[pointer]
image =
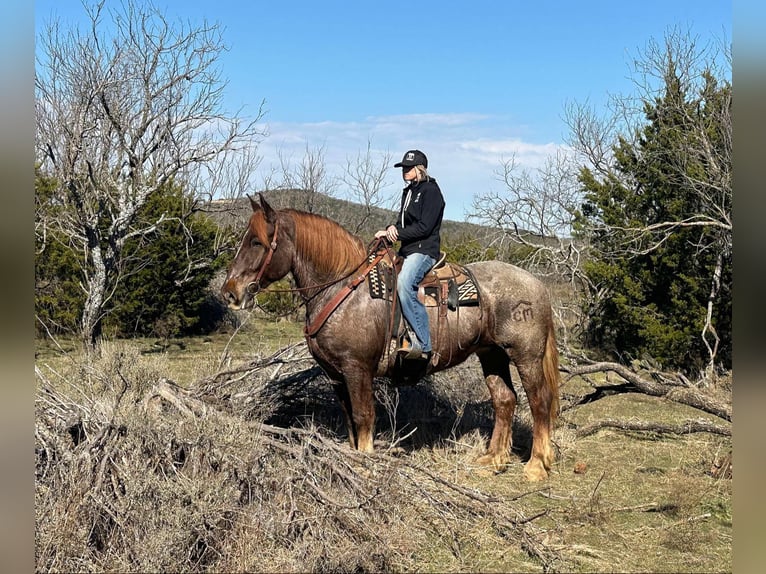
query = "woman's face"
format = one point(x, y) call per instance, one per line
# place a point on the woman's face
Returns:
point(409, 173)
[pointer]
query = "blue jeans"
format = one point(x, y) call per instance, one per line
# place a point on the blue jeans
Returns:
point(414, 268)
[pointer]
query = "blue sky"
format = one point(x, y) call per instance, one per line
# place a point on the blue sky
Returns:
point(469, 83)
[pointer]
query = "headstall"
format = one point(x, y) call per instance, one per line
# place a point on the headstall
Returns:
point(269, 255)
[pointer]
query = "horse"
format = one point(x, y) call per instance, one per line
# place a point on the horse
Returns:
point(350, 339)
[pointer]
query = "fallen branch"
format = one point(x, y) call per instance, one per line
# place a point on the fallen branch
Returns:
point(674, 392)
point(180, 398)
point(294, 353)
point(688, 427)
point(677, 523)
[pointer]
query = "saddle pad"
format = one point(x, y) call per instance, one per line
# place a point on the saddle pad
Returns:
point(466, 294)
point(380, 279)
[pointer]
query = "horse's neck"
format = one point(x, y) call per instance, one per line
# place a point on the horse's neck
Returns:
point(321, 261)
point(306, 275)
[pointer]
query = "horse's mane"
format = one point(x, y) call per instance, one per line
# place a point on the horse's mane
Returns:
point(332, 248)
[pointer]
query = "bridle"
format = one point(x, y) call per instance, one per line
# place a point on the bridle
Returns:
point(266, 261)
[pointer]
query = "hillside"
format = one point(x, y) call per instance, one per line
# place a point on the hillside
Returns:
point(353, 216)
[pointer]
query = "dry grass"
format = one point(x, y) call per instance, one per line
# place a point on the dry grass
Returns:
point(250, 472)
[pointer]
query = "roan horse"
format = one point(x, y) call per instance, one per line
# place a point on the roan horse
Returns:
point(513, 323)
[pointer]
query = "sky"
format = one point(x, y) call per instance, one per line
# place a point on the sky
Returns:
point(469, 83)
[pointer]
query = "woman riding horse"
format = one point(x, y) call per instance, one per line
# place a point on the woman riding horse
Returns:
point(418, 225)
point(347, 330)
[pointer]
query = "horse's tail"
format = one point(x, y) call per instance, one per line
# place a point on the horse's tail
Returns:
point(551, 370)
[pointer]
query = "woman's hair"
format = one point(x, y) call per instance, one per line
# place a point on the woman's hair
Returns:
point(422, 172)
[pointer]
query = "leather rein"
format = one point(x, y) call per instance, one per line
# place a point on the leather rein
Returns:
point(312, 328)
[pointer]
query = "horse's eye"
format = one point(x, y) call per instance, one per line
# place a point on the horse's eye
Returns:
point(254, 242)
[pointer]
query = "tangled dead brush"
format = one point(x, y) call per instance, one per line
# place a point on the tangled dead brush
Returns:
point(135, 474)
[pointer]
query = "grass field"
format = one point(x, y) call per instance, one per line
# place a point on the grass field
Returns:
point(219, 491)
point(190, 358)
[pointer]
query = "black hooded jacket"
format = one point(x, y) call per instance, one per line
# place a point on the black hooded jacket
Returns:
point(420, 218)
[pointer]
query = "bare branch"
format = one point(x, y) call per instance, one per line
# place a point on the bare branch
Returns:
point(123, 109)
point(308, 177)
point(687, 427)
point(366, 179)
point(659, 388)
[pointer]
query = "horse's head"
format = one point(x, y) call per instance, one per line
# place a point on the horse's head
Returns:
point(261, 259)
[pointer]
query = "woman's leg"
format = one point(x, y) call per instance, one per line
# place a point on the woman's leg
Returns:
point(414, 268)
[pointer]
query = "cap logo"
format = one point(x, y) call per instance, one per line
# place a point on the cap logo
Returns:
point(410, 156)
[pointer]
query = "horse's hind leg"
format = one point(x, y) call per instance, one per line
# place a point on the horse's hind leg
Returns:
point(497, 375)
point(540, 399)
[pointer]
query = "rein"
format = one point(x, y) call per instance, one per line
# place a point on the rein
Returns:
point(312, 328)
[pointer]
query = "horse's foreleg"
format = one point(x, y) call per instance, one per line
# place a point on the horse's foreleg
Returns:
point(359, 389)
point(540, 400)
point(497, 376)
point(341, 390)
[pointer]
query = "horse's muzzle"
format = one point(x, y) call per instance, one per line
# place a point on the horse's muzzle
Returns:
point(231, 296)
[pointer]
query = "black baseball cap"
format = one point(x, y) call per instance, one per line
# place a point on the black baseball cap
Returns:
point(412, 158)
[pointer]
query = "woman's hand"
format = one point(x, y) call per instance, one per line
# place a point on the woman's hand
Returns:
point(389, 233)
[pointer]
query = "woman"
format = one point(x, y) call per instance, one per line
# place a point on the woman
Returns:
point(418, 226)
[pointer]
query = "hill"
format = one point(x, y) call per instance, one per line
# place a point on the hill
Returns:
point(355, 217)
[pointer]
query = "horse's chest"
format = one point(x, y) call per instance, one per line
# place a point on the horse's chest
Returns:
point(325, 359)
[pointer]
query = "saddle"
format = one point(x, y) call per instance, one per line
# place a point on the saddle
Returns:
point(447, 286)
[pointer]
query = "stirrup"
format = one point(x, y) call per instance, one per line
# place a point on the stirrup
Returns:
point(410, 351)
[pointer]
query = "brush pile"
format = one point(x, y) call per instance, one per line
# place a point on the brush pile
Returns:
point(137, 474)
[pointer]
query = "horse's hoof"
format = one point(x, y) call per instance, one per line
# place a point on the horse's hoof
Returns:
point(535, 472)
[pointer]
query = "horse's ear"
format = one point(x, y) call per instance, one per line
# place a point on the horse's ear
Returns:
point(271, 215)
point(253, 203)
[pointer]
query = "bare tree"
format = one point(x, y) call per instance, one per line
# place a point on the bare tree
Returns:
point(536, 209)
point(309, 177)
point(532, 218)
point(123, 108)
point(366, 179)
